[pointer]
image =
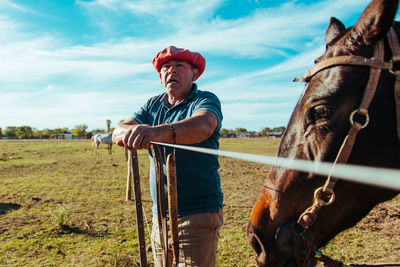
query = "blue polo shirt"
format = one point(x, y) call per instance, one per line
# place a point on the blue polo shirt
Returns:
point(198, 180)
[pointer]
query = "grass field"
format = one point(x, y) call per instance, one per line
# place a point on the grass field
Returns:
point(60, 205)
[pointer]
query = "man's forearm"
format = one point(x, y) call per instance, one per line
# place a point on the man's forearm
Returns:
point(188, 131)
point(196, 129)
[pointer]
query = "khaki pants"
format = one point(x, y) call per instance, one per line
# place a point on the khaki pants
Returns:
point(198, 239)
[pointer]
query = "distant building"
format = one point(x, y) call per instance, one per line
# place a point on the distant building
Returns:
point(248, 134)
point(228, 135)
point(65, 135)
point(275, 134)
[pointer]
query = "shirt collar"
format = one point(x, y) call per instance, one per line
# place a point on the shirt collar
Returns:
point(189, 97)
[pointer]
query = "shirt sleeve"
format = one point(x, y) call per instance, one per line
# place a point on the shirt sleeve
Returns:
point(142, 115)
point(209, 101)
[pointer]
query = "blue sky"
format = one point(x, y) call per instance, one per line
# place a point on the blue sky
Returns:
point(70, 62)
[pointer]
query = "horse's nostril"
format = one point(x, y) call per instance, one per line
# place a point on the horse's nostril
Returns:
point(258, 247)
point(255, 244)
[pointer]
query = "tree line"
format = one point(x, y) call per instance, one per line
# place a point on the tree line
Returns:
point(264, 132)
point(80, 131)
point(27, 132)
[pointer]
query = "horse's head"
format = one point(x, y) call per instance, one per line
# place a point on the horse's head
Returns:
point(316, 130)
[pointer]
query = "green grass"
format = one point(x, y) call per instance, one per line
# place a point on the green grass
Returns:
point(60, 205)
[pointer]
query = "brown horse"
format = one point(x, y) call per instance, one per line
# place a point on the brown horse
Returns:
point(316, 130)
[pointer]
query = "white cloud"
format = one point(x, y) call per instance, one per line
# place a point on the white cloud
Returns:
point(254, 36)
point(265, 32)
point(45, 77)
point(12, 5)
point(175, 13)
point(54, 106)
point(39, 59)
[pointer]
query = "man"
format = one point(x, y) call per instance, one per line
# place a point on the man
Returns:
point(183, 115)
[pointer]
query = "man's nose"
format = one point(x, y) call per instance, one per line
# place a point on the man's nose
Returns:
point(172, 69)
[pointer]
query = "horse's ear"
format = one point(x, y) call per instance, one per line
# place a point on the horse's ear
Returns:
point(374, 22)
point(334, 29)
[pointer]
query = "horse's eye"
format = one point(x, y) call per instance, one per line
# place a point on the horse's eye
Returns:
point(318, 114)
point(322, 112)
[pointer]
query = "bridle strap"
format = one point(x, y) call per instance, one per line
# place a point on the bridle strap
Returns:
point(324, 196)
point(344, 60)
point(348, 143)
point(373, 62)
point(308, 217)
point(394, 46)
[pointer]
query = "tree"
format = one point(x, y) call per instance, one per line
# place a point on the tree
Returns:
point(98, 131)
point(240, 130)
point(265, 131)
point(39, 134)
point(108, 122)
point(23, 132)
point(1, 132)
point(11, 131)
point(280, 128)
point(49, 132)
point(80, 130)
point(224, 131)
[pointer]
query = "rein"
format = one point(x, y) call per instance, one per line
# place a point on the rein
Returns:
point(324, 196)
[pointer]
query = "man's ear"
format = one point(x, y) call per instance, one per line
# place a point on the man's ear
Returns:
point(195, 74)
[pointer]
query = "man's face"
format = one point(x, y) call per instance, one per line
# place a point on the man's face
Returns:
point(177, 77)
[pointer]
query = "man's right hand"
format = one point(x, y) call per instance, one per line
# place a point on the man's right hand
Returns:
point(133, 135)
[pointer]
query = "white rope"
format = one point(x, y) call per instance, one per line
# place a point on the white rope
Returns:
point(153, 249)
point(381, 177)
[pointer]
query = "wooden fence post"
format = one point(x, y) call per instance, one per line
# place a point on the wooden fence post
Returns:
point(129, 178)
point(161, 205)
point(173, 205)
point(139, 208)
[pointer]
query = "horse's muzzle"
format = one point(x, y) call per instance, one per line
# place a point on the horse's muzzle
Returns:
point(295, 243)
point(267, 255)
point(288, 248)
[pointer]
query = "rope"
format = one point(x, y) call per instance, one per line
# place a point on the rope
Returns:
point(388, 178)
point(153, 250)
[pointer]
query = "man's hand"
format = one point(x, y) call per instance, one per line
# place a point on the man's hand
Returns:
point(131, 134)
point(138, 136)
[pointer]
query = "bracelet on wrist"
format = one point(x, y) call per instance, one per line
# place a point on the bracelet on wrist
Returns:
point(173, 130)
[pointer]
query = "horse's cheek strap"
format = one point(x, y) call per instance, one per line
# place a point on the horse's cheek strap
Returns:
point(395, 47)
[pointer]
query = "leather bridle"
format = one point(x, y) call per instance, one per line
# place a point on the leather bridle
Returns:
point(324, 196)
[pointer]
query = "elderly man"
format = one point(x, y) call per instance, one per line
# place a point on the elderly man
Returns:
point(183, 115)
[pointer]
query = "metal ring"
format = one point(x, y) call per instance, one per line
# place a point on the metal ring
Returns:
point(320, 200)
point(354, 113)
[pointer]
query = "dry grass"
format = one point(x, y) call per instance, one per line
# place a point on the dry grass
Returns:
point(60, 205)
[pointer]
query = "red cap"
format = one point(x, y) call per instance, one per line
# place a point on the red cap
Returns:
point(172, 52)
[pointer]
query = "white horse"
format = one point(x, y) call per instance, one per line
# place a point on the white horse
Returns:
point(105, 138)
